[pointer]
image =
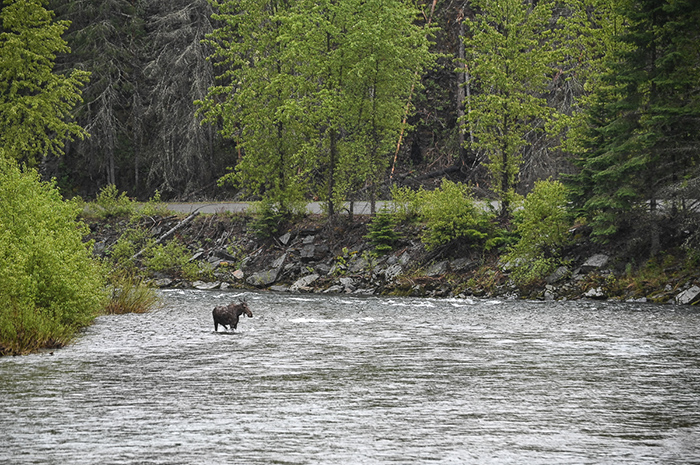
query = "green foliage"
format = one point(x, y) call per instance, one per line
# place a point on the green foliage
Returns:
point(510, 58)
point(113, 204)
point(641, 136)
point(382, 232)
point(50, 286)
point(405, 202)
point(450, 214)
point(314, 92)
point(269, 217)
point(130, 294)
point(35, 102)
point(168, 258)
point(543, 226)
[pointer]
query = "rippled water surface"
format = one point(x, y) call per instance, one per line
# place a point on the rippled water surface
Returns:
point(344, 380)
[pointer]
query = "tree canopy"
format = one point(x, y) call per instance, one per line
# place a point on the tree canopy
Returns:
point(35, 101)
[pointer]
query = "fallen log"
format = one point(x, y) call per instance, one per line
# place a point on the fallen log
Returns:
point(169, 233)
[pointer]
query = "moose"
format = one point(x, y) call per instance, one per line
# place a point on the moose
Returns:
point(228, 315)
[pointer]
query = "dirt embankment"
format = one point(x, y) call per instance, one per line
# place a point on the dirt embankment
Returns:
point(312, 255)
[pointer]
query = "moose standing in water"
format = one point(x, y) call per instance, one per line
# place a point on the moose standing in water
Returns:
point(228, 315)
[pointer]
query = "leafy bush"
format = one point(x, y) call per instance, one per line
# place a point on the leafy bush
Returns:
point(171, 257)
point(131, 295)
point(382, 232)
point(270, 217)
point(50, 286)
point(451, 213)
point(543, 228)
point(405, 202)
point(110, 203)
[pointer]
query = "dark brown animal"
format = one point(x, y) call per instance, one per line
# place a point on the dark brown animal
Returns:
point(228, 315)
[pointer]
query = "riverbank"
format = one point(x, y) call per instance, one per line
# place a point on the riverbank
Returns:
point(221, 250)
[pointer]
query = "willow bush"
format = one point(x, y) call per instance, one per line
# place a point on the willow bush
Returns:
point(50, 286)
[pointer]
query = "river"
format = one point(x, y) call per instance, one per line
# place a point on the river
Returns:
point(346, 380)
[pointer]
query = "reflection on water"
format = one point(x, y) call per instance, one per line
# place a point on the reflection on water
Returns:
point(344, 380)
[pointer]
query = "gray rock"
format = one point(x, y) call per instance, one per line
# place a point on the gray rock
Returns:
point(308, 252)
point(284, 239)
point(322, 269)
point(689, 297)
point(462, 264)
point(238, 274)
point(558, 274)
point(263, 278)
point(202, 286)
point(99, 249)
point(404, 259)
point(308, 240)
point(163, 282)
point(595, 293)
point(594, 263)
point(335, 289)
point(392, 272)
point(358, 264)
point(279, 288)
point(304, 282)
point(321, 251)
point(437, 269)
point(279, 261)
point(348, 284)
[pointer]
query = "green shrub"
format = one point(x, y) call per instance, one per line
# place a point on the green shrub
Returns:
point(129, 243)
point(405, 202)
point(269, 217)
point(169, 258)
point(543, 227)
point(110, 203)
point(154, 207)
point(50, 286)
point(382, 232)
point(131, 295)
point(451, 213)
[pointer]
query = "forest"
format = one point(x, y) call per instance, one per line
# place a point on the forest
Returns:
point(578, 118)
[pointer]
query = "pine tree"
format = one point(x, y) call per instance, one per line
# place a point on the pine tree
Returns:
point(35, 101)
point(643, 133)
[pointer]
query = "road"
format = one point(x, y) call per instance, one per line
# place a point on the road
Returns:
point(359, 208)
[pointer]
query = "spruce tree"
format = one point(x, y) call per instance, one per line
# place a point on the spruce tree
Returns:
point(35, 101)
point(643, 133)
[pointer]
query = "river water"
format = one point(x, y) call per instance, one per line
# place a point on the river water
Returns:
point(345, 380)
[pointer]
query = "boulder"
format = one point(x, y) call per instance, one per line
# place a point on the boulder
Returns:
point(462, 264)
point(308, 253)
point(163, 282)
point(348, 284)
point(392, 272)
point(558, 274)
point(436, 269)
point(202, 286)
point(284, 239)
point(304, 282)
point(595, 293)
point(689, 296)
point(263, 278)
point(238, 274)
point(595, 263)
point(358, 265)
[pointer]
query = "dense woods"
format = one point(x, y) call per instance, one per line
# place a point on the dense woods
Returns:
point(580, 118)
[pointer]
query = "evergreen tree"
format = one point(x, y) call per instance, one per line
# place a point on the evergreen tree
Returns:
point(643, 132)
point(35, 101)
point(105, 38)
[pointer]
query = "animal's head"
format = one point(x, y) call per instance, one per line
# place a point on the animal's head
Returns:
point(243, 305)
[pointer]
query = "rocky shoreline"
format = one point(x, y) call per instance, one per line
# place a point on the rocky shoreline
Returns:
point(313, 256)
